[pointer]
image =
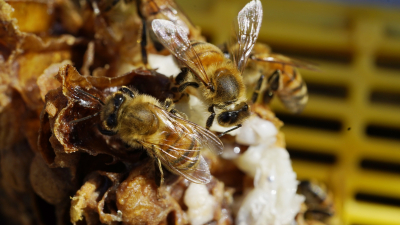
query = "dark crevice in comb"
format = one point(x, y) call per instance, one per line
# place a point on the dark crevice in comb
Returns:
point(47, 211)
point(385, 97)
point(316, 157)
point(382, 131)
point(382, 166)
point(335, 91)
point(377, 199)
point(310, 122)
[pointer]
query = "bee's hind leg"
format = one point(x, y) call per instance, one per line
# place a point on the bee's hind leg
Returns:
point(161, 172)
point(257, 89)
point(273, 86)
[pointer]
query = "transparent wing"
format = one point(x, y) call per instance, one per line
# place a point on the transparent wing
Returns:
point(204, 137)
point(172, 150)
point(171, 11)
point(247, 29)
point(277, 58)
point(199, 174)
point(175, 39)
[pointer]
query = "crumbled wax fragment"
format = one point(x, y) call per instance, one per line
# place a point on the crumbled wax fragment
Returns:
point(200, 204)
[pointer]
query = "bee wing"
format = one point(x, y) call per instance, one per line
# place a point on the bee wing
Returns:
point(247, 29)
point(201, 138)
point(277, 58)
point(175, 39)
point(171, 11)
point(199, 174)
point(204, 137)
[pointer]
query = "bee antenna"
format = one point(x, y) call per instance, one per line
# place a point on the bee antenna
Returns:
point(90, 95)
point(84, 118)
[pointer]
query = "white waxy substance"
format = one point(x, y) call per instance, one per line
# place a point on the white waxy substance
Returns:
point(273, 201)
point(164, 64)
point(256, 131)
point(200, 203)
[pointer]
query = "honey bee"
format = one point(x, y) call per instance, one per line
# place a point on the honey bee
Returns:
point(283, 77)
point(318, 200)
point(142, 121)
point(149, 10)
point(218, 80)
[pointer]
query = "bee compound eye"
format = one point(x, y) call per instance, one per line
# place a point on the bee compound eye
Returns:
point(111, 120)
point(228, 117)
point(118, 99)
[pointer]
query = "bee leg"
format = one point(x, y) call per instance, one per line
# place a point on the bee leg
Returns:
point(257, 89)
point(182, 95)
point(225, 132)
point(185, 85)
point(210, 119)
point(273, 80)
point(143, 43)
point(179, 114)
point(273, 86)
point(161, 171)
point(84, 118)
point(182, 75)
point(106, 132)
point(167, 104)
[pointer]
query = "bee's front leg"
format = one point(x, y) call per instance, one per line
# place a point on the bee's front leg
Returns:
point(168, 104)
point(106, 132)
point(185, 85)
point(210, 119)
point(181, 77)
point(232, 129)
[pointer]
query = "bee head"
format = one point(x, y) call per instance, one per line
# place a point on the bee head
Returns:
point(234, 117)
point(109, 114)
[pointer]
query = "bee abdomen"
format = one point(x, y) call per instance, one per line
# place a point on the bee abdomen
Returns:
point(184, 149)
point(208, 54)
point(294, 98)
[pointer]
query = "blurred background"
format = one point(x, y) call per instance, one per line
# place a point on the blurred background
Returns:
point(349, 133)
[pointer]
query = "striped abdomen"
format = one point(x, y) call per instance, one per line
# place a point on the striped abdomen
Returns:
point(293, 90)
point(208, 53)
point(183, 149)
